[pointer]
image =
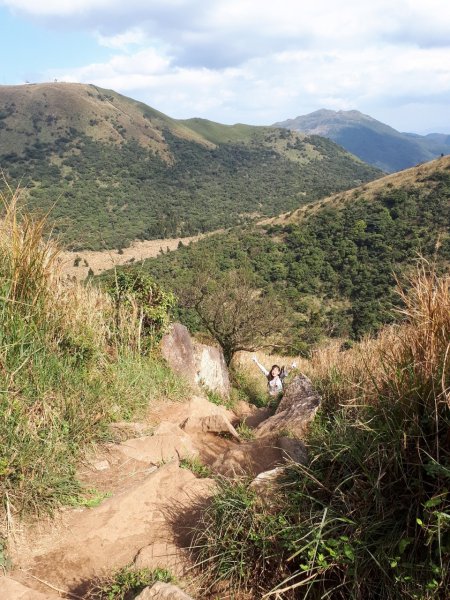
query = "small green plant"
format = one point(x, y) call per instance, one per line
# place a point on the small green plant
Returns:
point(89, 498)
point(4, 559)
point(218, 399)
point(245, 432)
point(127, 583)
point(235, 536)
point(194, 464)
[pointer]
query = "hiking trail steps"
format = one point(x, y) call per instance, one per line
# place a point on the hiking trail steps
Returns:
point(152, 506)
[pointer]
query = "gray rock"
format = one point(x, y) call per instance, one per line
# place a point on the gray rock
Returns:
point(163, 591)
point(211, 369)
point(100, 465)
point(267, 479)
point(293, 449)
point(198, 363)
point(178, 350)
point(297, 408)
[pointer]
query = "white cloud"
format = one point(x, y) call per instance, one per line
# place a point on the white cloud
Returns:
point(279, 86)
point(261, 61)
point(57, 7)
point(121, 41)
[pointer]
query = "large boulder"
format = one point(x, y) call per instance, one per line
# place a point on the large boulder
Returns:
point(178, 349)
point(200, 364)
point(212, 370)
point(297, 408)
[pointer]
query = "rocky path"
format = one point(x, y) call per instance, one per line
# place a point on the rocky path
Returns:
point(153, 503)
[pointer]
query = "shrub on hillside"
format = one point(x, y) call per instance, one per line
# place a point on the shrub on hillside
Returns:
point(150, 305)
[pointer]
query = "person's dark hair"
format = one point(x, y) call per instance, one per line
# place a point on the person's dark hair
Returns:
point(270, 376)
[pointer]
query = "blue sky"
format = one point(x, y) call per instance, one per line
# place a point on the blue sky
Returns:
point(252, 61)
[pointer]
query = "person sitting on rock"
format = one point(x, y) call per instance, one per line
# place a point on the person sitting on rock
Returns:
point(275, 377)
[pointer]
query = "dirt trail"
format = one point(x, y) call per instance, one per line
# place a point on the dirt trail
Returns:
point(152, 506)
point(102, 260)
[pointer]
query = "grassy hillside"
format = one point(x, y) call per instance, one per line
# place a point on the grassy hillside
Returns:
point(369, 139)
point(119, 170)
point(367, 516)
point(71, 362)
point(333, 263)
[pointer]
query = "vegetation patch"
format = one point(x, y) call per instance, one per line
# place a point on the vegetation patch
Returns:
point(70, 364)
point(330, 273)
point(127, 583)
point(195, 465)
point(245, 432)
point(369, 517)
point(122, 171)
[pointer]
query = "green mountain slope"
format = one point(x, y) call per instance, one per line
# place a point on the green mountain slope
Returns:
point(112, 169)
point(332, 262)
point(369, 139)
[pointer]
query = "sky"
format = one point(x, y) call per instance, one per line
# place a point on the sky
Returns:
point(247, 61)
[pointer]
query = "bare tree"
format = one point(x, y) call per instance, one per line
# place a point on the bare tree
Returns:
point(237, 314)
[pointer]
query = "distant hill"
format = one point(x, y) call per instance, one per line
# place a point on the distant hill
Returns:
point(370, 140)
point(331, 262)
point(114, 170)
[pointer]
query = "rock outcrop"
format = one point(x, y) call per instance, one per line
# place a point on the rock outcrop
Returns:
point(212, 370)
point(167, 442)
point(203, 416)
point(248, 458)
point(177, 348)
point(297, 408)
point(200, 364)
point(293, 449)
point(111, 535)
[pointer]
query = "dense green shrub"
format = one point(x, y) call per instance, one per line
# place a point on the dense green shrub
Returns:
point(109, 195)
point(150, 304)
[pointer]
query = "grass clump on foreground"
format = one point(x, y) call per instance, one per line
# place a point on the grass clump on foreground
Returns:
point(69, 365)
point(370, 516)
point(127, 583)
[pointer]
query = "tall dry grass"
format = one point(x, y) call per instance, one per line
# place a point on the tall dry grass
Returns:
point(68, 366)
point(369, 517)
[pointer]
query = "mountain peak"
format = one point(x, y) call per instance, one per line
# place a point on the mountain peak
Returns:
point(371, 140)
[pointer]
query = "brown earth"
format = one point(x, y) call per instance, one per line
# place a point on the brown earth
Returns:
point(153, 503)
point(147, 503)
point(103, 260)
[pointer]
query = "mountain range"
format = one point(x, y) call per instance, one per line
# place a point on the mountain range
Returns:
point(372, 141)
point(112, 170)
